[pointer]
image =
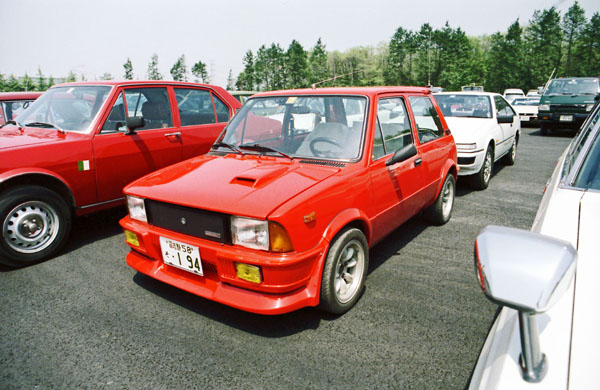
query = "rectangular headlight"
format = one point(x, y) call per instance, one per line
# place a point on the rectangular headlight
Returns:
point(589, 107)
point(137, 209)
point(544, 107)
point(466, 146)
point(249, 232)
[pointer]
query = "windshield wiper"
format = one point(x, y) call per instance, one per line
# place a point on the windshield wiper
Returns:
point(45, 125)
point(13, 122)
point(230, 146)
point(263, 149)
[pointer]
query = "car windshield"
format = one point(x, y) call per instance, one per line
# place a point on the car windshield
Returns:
point(465, 106)
point(583, 86)
point(298, 126)
point(68, 108)
point(526, 102)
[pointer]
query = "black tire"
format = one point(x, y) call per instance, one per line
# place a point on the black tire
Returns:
point(344, 272)
point(511, 156)
point(35, 224)
point(481, 180)
point(440, 211)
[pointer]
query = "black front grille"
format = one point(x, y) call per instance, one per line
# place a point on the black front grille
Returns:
point(190, 221)
point(466, 160)
point(567, 108)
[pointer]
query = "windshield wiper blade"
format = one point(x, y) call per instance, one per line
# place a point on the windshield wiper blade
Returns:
point(264, 149)
point(46, 125)
point(230, 146)
point(13, 122)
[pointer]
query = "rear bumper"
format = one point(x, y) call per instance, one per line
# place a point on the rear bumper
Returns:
point(289, 282)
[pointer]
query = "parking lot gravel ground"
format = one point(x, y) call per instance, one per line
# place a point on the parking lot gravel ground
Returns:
point(86, 320)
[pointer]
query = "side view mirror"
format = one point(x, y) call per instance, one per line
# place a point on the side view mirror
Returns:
point(505, 119)
point(402, 155)
point(528, 272)
point(133, 123)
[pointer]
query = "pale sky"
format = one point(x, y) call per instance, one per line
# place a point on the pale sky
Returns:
point(93, 37)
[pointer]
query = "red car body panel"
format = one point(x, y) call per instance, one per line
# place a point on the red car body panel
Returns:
point(114, 159)
point(363, 192)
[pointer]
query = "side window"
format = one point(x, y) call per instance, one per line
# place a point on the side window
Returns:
point(502, 107)
point(116, 118)
point(429, 126)
point(221, 108)
point(152, 104)
point(393, 125)
point(195, 106)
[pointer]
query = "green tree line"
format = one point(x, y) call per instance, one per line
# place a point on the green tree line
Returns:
point(522, 57)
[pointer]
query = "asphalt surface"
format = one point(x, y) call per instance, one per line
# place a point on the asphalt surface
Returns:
point(86, 320)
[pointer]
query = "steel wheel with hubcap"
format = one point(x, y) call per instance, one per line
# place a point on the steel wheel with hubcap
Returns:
point(35, 224)
point(481, 180)
point(440, 211)
point(344, 271)
point(511, 156)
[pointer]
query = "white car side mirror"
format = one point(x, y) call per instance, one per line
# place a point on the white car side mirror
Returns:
point(528, 272)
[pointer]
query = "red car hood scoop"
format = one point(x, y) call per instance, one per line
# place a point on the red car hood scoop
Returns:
point(238, 185)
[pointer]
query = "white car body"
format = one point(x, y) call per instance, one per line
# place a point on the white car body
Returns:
point(527, 108)
point(473, 135)
point(513, 93)
point(569, 335)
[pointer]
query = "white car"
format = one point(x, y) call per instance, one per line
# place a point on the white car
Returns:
point(513, 93)
point(485, 128)
point(527, 108)
point(546, 335)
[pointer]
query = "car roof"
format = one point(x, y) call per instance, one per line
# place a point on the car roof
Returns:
point(19, 95)
point(475, 93)
point(369, 91)
point(120, 83)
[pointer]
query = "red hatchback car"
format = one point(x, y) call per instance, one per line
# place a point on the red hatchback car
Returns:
point(281, 213)
point(74, 149)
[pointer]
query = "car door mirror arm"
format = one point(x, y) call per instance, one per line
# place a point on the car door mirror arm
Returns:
point(133, 123)
point(508, 257)
point(402, 154)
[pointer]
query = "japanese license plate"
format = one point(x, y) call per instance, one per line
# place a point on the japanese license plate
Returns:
point(181, 255)
point(566, 118)
point(524, 119)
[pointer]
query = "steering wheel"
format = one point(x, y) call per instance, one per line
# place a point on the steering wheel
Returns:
point(323, 153)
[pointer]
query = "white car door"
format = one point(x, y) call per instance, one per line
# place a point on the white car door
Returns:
point(509, 130)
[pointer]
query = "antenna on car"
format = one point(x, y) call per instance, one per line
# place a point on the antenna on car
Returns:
point(314, 85)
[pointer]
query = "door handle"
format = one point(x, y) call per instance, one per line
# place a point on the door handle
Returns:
point(173, 136)
point(418, 162)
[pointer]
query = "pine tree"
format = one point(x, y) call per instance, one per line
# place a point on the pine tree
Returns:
point(128, 66)
point(573, 25)
point(230, 81)
point(297, 66)
point(247, 78)
point(179, 70)
point(317, 63)
point(199, 70)
point(153, 73)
